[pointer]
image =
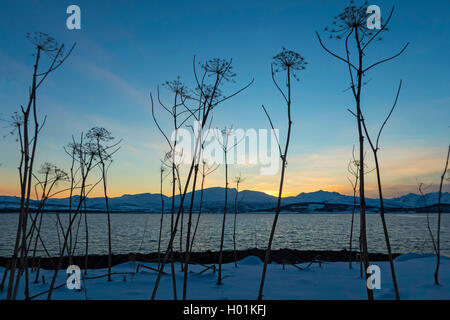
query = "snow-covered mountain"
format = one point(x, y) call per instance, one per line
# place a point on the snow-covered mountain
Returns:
point(410, 200)
point(247, 201)
point(413, 200)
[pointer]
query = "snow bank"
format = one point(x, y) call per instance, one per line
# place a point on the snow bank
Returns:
point(251, 261)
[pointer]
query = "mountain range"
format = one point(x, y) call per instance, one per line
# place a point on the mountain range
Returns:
point(246, 200)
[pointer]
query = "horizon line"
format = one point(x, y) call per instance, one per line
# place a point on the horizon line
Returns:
point(218, 187)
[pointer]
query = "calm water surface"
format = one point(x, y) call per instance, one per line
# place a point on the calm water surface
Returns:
point(134, 232)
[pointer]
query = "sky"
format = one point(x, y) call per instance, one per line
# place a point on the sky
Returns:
point(125, 49)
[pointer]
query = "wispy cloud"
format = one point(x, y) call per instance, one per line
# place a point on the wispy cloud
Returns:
point(114, 80)
point(401, 168)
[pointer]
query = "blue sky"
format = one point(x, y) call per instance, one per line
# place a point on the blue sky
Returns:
point(126, 48)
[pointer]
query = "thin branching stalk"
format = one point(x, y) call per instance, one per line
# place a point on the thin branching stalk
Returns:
point(100, 139)
point(375, 148)
point(209, 98)
point(238, 181)
point(353, 169)
point(352, 22)
point(28, 137)
point(206, 170)
point(427, 211)
point(290, 62)
point(438, 237)
point(162, 169)
point(226, 147)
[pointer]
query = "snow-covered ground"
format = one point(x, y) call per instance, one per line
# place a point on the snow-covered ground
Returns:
point(331, 280)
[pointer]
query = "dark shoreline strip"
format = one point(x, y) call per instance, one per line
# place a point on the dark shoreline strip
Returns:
point(279, 256)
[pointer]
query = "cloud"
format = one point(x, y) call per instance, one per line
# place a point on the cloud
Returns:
point(401, 168)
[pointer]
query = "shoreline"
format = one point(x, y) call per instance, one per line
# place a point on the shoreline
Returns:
point(287, 256)
point(337, 209)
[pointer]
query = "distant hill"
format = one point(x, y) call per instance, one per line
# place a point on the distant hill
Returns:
point(248, 201)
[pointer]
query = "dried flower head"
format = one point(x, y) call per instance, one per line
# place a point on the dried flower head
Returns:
point(356, 163)
point(15, 123)
point(47, 44)
point(16, 120)
point(99, 134)
point(177, 87)
point(174, 157)
point(238, 179)
point(288, 60)
point(74, 148)
point(90, 149)
point(209, 93)
point(168, 155)
point(53, 173)
point(220, 67)
point(47, 168)
point(353, 18)
point(60, 175)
